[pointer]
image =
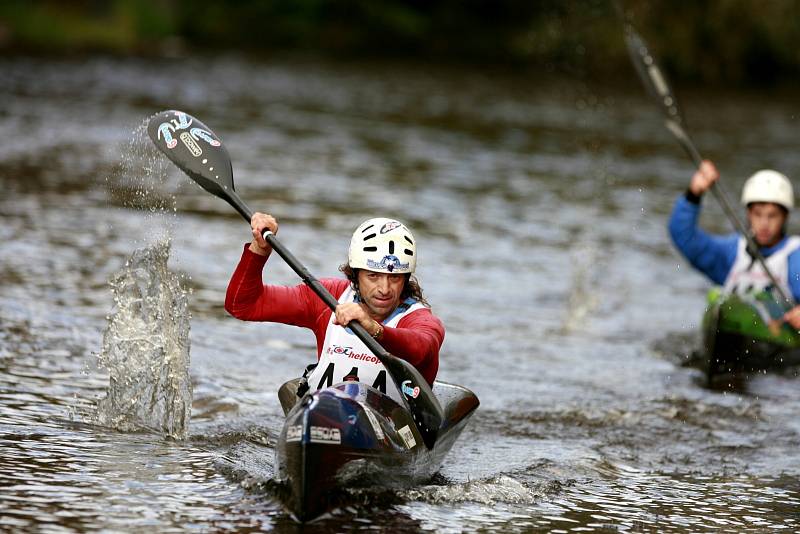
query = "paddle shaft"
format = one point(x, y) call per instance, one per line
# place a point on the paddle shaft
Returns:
point(718, 192)
point(656, 85)
point(722, 198)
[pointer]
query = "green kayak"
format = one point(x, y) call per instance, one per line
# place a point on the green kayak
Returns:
point(742, 335)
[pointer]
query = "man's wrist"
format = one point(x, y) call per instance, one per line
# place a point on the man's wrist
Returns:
point(692, 197)
point(256, 249)
point(377, 333)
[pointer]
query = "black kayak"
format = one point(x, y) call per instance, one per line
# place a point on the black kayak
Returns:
point(352, 435)
point(739, 337)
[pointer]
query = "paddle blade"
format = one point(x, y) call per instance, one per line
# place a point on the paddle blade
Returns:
point(423, 406)
point(651, 74)
point(193, 147)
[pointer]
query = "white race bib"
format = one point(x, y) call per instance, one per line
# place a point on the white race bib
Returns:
point(346, 356)
point(747, 276)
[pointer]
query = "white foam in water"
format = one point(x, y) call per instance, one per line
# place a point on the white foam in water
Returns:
point(491, 491)
point(146, 348)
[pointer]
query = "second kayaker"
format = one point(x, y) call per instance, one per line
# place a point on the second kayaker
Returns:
point(725, 259)
point(378, 290)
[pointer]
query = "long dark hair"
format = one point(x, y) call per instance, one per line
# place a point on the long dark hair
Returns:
point(410, 289)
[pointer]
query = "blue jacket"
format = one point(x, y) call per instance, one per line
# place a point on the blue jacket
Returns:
point(714, 255)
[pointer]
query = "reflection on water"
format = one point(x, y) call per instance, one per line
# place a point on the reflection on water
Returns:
point(539, 206)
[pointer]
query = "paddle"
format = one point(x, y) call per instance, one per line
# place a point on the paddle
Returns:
point(655, 83)
point(198, 152)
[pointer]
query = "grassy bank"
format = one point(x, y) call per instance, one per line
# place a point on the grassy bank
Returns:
point(738, 42)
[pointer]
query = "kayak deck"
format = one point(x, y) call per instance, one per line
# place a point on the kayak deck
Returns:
point(738, 340)
point(351, 435)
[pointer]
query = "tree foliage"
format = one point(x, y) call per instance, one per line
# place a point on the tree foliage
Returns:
point(709, 41)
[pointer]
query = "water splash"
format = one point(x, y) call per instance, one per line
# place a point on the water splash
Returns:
point(146, 348)
point(583, 298)
point(140, 179)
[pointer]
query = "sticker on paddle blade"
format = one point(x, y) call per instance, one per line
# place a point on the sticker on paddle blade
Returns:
point(193, 147)
point(408, 391)
point(171, 122)
point(408, 437)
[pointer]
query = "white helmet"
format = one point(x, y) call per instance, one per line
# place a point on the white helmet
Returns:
point(384, 246)
point(768, 186)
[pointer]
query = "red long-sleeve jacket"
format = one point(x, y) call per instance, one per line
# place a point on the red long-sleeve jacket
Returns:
point(416, 339)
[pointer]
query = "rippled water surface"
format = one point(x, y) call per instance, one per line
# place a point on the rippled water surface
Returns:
point(540, 209)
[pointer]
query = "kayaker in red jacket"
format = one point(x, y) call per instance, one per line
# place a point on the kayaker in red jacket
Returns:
point(379, 292)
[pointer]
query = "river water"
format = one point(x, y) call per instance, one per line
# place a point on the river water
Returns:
point(539, 206)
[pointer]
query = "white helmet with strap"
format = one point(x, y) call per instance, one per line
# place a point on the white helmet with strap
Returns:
point(768, 186)
point(383, 245)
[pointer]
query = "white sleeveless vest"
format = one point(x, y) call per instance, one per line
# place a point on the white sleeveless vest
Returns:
point(747, 276)
point(343, 354)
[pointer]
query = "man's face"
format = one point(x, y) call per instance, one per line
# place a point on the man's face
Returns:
point(380, 292)
point(766, 221)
